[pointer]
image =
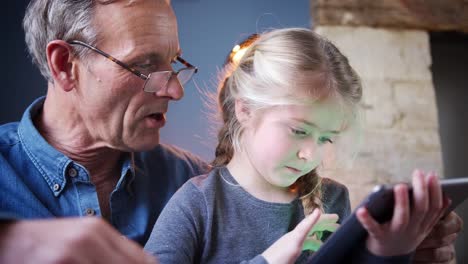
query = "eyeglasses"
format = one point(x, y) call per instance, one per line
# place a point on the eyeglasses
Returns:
point(156, 80)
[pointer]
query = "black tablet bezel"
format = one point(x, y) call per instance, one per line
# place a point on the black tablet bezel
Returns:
point(341, 244)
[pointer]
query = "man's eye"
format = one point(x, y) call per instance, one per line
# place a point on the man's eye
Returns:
point(323, 140)
point(145, 66)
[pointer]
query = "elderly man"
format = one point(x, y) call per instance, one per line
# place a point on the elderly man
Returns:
point(91, 146)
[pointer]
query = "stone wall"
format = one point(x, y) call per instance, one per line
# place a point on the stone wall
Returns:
point(400, 126)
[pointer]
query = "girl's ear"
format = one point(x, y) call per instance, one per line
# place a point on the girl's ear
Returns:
point(242, 111)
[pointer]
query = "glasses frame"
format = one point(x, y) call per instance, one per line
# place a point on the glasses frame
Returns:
point(141, 75)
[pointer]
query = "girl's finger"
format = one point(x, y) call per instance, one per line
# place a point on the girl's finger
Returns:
point(420, 198)
point(301, 231)
point(435, 191)
point(324, 221)
point(367, 221)
point(401, 211)
point(333, 218)
point(436, 202)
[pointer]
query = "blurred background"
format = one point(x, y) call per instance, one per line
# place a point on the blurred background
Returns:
point(411, 55)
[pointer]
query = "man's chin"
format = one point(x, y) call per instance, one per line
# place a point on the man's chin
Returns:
point(144, 145)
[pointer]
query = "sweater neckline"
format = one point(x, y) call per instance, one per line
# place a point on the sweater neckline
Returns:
point(231, 182)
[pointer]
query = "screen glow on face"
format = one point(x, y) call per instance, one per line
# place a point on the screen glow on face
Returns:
point(289, 141)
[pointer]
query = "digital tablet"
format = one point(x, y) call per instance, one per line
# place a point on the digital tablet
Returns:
point(351, 234)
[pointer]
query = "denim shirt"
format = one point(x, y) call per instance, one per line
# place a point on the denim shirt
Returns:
point(38, 181)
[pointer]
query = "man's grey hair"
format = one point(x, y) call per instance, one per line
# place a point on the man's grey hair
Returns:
point(48, 20)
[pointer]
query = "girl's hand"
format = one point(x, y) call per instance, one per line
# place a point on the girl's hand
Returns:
point(327, 222)
point(408, 228)
point(288, 248)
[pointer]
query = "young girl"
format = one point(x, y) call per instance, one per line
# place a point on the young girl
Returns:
point(290, 95)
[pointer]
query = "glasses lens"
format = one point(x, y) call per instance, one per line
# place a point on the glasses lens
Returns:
point(185, 75)
point(156, 81)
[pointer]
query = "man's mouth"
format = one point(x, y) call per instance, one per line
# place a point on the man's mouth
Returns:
point(156, 120)
point(157, 116)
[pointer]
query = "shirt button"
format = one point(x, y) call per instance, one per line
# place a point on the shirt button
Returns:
point(56, 187)
point(90, 212)
point(72, 172)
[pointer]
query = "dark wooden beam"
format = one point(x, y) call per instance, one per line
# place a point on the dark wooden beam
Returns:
point(431, 15)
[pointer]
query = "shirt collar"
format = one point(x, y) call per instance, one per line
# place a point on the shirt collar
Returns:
point(51, 163)
point(127, 175)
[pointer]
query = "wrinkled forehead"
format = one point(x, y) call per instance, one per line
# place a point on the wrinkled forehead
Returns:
point(147, 24)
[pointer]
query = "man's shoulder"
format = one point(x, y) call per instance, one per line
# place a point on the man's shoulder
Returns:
point(8, 135)
point(332, 185)
point(177, 154)
point(333, 190)
point(174, 152)
point(174, 157)
point(335, 198)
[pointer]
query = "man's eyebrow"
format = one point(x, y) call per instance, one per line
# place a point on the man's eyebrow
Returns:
point(151, 58)
point(314, 125)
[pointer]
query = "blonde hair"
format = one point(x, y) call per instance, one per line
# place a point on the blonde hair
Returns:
point(270, 73)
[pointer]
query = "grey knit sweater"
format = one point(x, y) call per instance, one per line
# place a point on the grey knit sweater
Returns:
point(211, 219)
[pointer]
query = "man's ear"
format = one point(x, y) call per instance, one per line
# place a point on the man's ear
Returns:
point(60, 61)
point(243, 113)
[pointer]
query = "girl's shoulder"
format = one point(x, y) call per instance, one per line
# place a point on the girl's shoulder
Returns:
point(205, 181)
point(206, 184)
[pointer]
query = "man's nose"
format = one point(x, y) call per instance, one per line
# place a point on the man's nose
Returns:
point(173, 89)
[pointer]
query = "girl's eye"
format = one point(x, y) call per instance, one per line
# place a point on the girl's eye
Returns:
point(323, 140)
point(298, 132)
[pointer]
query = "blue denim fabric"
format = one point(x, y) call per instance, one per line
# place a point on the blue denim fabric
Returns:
point(37, 181)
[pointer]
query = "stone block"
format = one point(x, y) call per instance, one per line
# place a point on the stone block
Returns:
point(382, 53)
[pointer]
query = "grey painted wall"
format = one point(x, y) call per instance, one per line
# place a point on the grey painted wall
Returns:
point(21, 81)
point(449, 67)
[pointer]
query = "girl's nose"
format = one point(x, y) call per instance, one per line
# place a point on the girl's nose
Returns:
point(311, 152)
point(307, 152)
